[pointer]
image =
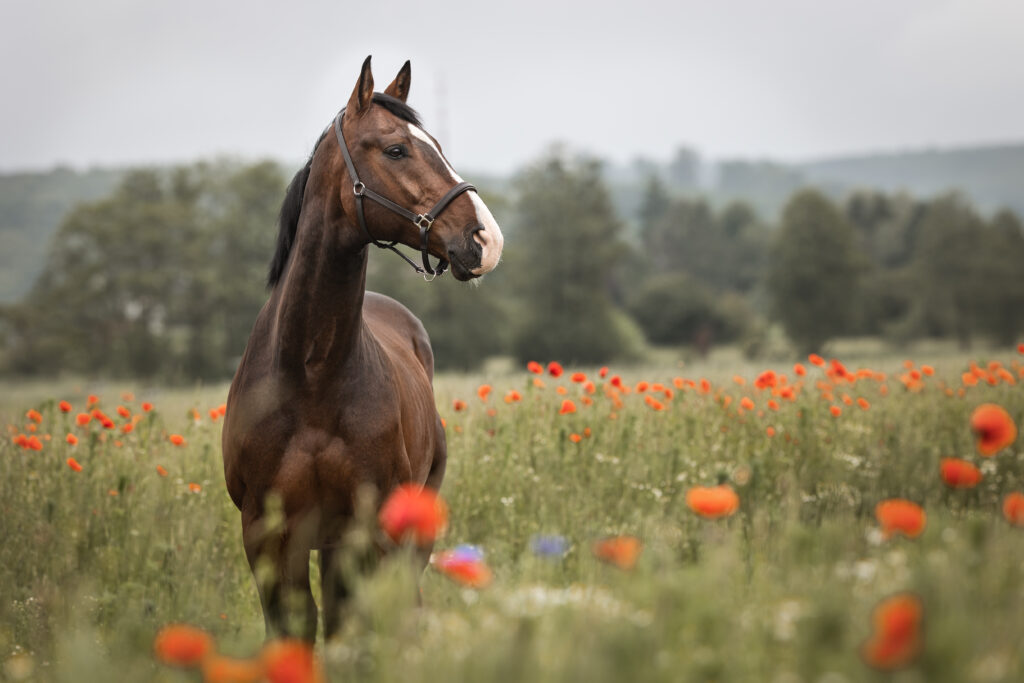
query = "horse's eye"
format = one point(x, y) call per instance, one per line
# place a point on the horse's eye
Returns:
point(395, 151)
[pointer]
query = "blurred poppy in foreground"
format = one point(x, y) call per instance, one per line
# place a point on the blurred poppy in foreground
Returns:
point(1013, 508)
point(73, 464)
point(712, 501)
point(555, 369)
point(896, 639)
point(465, 564)
point(177, 439)
point(414, 512)
point(621, 551)
point(64, 406)
point(291, 661)
point(959, 474)
point(900, 516)
point(567, 407)
point(535, 367)
point(182, 645)
point(993, 427)
point(220, 669)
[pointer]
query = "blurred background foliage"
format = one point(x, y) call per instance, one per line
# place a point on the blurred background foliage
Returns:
point(159, 272)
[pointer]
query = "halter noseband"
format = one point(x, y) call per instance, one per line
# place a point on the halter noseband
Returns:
point(423, 221)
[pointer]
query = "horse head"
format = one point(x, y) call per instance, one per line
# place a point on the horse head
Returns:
point(403, 165)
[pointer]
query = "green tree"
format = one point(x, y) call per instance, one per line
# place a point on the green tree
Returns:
point(566, 248)
point(813, 278)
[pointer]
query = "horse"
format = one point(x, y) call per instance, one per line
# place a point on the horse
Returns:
point(334, 391)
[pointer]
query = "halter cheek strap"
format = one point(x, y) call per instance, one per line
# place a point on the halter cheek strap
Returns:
point(423, 221)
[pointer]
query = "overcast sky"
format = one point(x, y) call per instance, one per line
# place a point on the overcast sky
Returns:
point(139, 81)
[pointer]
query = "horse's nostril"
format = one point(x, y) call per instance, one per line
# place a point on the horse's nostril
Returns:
point(480, 235)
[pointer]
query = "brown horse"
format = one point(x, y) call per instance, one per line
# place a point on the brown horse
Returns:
point(334, 390)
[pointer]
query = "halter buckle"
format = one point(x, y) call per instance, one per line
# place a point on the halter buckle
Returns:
point(423, 221)
point(359, 189)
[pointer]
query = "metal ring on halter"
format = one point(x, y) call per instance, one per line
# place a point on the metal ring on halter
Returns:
point(423, 222)
point(359, 189)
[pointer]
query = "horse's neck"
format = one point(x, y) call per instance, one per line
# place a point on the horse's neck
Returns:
point(319, 317)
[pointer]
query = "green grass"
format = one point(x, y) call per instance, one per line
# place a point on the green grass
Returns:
point(780, 591)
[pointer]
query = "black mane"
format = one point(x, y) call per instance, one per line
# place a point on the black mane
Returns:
point(288, 219)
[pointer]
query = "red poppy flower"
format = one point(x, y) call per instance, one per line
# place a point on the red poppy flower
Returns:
point(146, 406)
point(896, 639)
point(835, 410)
point(91, 400)
point(766, 379)
point(290, 661)
point(773, 404)
point(222, 409)
point(621, 551)
point(214, 414)
point(578, 377)
point(124, 412)
point(465, 569)
point(64, 406)
point(746, 403)
point(535, 367)
point(177, 439)
point(575, 438)
point(897, 515)
point(567, 407)
point(815, 359)
point(770, 431)
point(73, 464)
point(414, 512)
point(182, 645)
point(1013, 508)
point(555, 369)
point(194, 487)
point(705, 386)
point(959, 474)
point(993, 427)
point(654, 403)
point(513, 396)
point(483, 392)
point(863, 403)
point(713, 501)
point(458, 404)
point(161, 471)
point(71, 439)
point(603, 372)
point(799, 369)
point(34, 415)
point(616, 382)
point(34, 444)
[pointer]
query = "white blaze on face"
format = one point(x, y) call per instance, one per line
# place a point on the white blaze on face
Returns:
point(490, 238)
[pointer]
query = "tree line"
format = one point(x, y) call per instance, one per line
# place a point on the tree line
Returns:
point(164, 277)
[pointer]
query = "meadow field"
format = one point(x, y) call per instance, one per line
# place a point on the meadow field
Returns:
point(107, 540)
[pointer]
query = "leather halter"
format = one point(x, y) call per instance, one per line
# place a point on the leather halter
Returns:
point(423, 221)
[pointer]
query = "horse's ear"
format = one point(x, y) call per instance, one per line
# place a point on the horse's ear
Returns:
point(363, 92)
point(399, 87)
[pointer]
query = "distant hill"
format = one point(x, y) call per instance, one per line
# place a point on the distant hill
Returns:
point(32, 205)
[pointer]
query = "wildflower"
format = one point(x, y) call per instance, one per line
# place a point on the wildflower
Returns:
point(290, 661)
point(815, 359)
point(589, 387)
point(483, 392)
point(993, 427)
point(770, 431)
point(127, 396)
point(64, 406)
point(214, 414)
point(578, 377)
point(555, 369)
point(194, 487)
point(642, 386)
point(766, 379)
point(464, 565)
point(553, 546)
point(458, 404)
point(73, 464)
point(739, 380)
point(535, 367)
point(959, 474)
point(128, 428)
point(182, 645)
point(927, 370)
point(222, 409)
point(705, 386)
point(21, 440)
point(896, 639)
point(567, 407)
point(177, 439)
point(146, 406)
point(713, 501)
point(746, 403)
point(654, 403)
point(71, 439)
point(513, 396)
point(91, 400)
point(161, 471)
point(621, 551)
point(538, 382)
point(799, 369)
point(221, 669)
point(835, 410)
point(863, 403)
point(412, 511)
point(603, 372)
point(616, 382)
point(575, 438)
point(773, 404)
point(1013, 508)
point(561, 391)
point(34, 415)
point(124, 412)
point(897, 515)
